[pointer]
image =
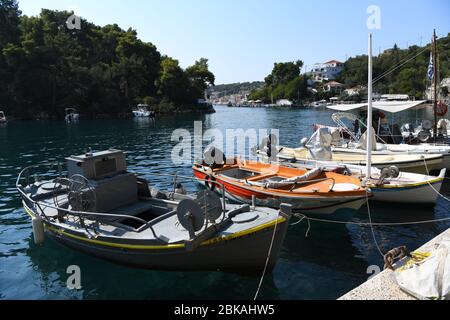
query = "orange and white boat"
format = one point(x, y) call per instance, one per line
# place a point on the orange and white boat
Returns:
point(308, 191)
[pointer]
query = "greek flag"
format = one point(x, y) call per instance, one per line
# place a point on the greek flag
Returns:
point(431, 68)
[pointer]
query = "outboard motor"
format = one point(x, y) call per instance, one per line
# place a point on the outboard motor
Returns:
point(179, 189)
point(269, 145)
point(214, 157)
point(321, 149)
point(425, 134)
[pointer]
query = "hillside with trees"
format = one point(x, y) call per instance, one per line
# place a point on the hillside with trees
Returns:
point(285, 82)
point(236, 88)
point(402, 71)
point(409, 78)
point(45, 66)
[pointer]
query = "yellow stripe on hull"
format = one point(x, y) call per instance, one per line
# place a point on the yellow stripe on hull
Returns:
point(165, 247)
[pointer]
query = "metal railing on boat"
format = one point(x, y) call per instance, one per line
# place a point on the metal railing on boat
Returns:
point(90, 215)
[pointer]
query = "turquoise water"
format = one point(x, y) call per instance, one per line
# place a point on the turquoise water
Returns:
point(327, 264)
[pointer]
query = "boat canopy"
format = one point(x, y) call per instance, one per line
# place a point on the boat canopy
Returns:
point(387, 106)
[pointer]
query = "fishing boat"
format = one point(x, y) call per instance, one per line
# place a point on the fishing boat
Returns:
point(405, 162)
point(2, 117)
point(389, 184)
point(72, 115)
point(352, 142)
point(308, 191)
point(99, 208)
point(142, 112)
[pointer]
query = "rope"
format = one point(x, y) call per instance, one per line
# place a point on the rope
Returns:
point(380, 224)
point(372, 226)
point(268, 258)
point(302, 217)
point(432, 187)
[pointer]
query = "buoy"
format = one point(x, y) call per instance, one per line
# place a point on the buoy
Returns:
point(442, 109)
point(38, 230)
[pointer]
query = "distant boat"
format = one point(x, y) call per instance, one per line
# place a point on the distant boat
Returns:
point(142, 112)
point(2, 117)
point(319, 104)
point(72, 115)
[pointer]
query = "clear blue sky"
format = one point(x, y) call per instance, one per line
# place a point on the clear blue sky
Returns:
point(243, 38)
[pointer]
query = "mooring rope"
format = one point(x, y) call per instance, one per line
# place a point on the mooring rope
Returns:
point(372, 228)
point(268, 257)
point(432, 187)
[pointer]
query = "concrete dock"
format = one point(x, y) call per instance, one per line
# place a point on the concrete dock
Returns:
point(383, 286)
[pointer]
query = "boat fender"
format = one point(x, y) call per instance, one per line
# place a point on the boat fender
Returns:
point(210, 182)
point(38, 230)
point(442, 109)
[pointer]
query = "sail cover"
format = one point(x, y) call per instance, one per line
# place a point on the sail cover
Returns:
point(386, 106)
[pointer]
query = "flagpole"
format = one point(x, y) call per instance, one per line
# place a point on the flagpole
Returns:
point(369, 114)
point(435, 85)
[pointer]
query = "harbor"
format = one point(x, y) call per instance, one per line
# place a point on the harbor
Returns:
point(138, 170)
point(332, 260)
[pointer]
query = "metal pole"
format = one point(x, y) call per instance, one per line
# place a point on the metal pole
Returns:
point(369, 114)
point(435, 85)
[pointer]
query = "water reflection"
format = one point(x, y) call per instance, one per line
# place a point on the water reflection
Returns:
point(332, 260)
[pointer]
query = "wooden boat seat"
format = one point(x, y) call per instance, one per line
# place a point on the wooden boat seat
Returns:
point(261, 177)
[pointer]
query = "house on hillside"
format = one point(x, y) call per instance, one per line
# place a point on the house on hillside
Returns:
point(355, 90)
point(327, 71)
point(333, 86)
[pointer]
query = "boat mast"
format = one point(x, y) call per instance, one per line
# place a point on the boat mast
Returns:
point(435, 85)
point(369, 114)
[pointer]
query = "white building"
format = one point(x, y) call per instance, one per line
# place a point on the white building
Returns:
point(333, 86)
point(327, 71)
point(355, 90)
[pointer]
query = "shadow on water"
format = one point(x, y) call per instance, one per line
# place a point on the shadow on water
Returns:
point(104, 280)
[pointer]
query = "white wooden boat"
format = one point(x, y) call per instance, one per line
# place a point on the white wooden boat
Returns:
point(355, 145)
point(407, 188)
point(405, 162)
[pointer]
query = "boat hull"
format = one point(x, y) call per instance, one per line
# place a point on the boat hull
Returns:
point(409, 188)
point(245, 252)
point(419, 194)
point(413, 166)
point(306, 205)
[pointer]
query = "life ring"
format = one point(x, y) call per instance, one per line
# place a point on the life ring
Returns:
point(441, 109)
point(210, 182)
